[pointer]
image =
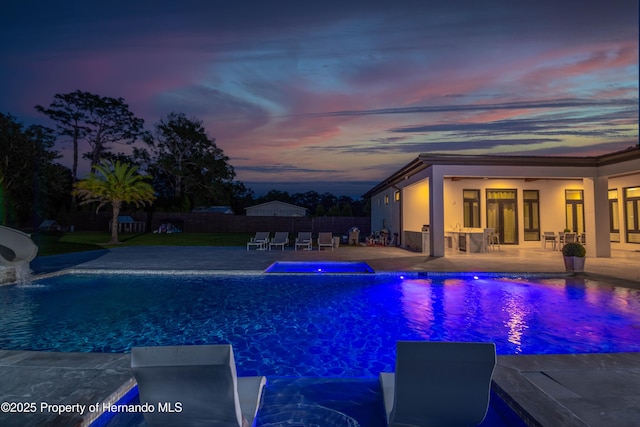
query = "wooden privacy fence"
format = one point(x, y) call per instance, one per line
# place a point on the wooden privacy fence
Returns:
point(210, 222)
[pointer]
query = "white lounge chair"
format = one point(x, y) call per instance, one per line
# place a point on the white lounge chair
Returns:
point(439, 383)
point(281, 239)
point(304, 241)
point(260, 240)
point(202, 378)
point(325, 240)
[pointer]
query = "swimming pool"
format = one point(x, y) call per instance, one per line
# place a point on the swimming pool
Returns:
point(316, 325)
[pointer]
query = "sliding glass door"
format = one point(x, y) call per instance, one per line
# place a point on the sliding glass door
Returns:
point(502, 215)
point(575, 210)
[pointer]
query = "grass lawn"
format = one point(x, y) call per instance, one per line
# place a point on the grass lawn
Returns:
point(61, 243)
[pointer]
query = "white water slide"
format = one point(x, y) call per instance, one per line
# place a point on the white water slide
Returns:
point(16, 247)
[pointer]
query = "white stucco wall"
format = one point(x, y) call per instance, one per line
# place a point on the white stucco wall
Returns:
point(385, 212)
point(415, 211)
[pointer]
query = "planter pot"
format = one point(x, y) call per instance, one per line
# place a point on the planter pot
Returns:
point(574, 263)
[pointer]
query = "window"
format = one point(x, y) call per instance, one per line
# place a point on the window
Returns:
point(574, 210)
point(531, 215)
point(471, 208)
point(386, 199)
point(614, 219)
point(396, 196)
point(632, 213)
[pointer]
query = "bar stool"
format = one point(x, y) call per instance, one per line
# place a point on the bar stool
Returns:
point(494, 240)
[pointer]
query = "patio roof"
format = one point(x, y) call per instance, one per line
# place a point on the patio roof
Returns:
point(426, 160)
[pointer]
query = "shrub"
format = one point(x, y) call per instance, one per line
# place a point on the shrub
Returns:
point(574, 249)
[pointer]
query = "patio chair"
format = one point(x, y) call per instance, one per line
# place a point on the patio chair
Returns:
point(570, 238)
point(549, 236)
point(561, 240)
point(325, 240)
point(281, 239)
point(202, 378)
point(304, 241)
point(488, 238)
point(260, 240)
point(494, 240)
point(439, 383)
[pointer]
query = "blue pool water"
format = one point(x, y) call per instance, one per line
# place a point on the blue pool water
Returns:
point(319, 267)
point(316, 325)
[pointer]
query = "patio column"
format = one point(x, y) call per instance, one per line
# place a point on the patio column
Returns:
point(436, 210)
point(596, 203)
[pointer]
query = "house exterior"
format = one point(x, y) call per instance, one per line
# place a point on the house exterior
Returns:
point(276, 208)
point(521, 197)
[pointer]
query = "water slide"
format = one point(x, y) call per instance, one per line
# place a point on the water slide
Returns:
point(16, 247)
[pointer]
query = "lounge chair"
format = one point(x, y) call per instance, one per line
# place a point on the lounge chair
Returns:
point(260, 240)
point(304, 241)
point(202, 378)
point(439, 383)
point(325, 240)
point(281, 239)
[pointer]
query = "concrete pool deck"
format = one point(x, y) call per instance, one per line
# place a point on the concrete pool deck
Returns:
point(620, 269)
point(567, 390)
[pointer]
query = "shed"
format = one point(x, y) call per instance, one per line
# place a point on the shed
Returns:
point(276, 208)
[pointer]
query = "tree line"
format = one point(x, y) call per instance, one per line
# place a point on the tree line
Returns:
point(186, 167)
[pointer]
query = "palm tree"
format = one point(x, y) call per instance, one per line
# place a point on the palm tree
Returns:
point(114, 183)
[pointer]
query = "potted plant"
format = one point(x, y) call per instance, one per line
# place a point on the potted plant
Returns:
point(574, 254)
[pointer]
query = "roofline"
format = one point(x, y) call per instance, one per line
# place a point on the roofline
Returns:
point(276, 201)
point(426, 160)
point(410, 169)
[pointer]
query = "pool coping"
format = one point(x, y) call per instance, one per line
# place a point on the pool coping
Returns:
point(599, 389)
point(57, 378)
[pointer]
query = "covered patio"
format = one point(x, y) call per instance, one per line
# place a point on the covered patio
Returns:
point(517, 198)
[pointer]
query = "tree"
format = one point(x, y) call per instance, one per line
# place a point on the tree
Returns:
point(282, 196)
point(65, 110)
point(115, 183)
point(346, 210)
point(309, 200)
point(30, 183)
point(328, 200)
point(241, 197)
point(97, 120)
point(52, 181)
point(186, 163)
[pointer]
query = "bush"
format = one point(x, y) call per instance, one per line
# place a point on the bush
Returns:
point(574, 249)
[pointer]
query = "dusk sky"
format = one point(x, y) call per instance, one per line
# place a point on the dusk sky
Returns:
point(337, 95)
